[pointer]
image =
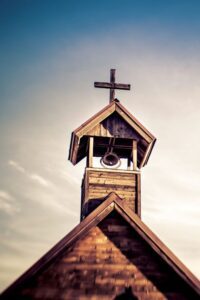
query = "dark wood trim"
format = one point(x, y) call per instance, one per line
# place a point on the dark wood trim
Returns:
point(129, 163)
point(108, 85)
point(134, 155)
point(135, 120)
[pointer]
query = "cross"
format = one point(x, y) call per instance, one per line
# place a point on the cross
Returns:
point(112, 85)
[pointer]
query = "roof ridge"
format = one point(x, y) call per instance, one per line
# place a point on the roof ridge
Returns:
point(106, 112)
point(112, 201)
point(170, 257)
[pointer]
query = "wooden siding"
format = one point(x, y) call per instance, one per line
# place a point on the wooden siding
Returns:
point(98, 183)
point(113, 120)
point(114, 126)
point(111, 261)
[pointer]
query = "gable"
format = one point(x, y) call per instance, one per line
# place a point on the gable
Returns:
point(114, 126)
point(112, 121)
point(107, 258)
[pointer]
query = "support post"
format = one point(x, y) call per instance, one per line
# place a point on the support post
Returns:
point(90, 152)
point(129, 164)
point(134, 155)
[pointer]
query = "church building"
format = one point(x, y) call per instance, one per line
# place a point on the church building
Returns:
point(111, 253)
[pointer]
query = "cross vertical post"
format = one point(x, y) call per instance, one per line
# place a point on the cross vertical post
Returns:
point(112, 85)
point(112, 81)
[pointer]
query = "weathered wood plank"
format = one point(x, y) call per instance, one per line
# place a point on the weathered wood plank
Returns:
point(89, 124)
point(111, 170)
point(111, 181)
point(133, 124)
point(138, 197)
point(105, 192)
point(115, 187)
point(90, 154)
point(112, 173)
point(100, 183)
point(78, 274)
point(107, 85)
point(134, 155)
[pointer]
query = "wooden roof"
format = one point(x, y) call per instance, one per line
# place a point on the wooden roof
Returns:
point(79, 137)
point(112, 203)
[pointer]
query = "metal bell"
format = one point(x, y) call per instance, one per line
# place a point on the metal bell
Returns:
point(110, 159)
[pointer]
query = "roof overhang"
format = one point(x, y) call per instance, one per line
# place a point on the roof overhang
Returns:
point(80, 136)
point(111, 202)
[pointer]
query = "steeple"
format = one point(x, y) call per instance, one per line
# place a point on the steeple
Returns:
point(111, 253)
point(123, 146)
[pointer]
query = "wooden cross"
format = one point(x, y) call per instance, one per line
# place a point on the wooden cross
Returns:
point(112, 85)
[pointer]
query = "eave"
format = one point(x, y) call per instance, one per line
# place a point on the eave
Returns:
point(112, 202)
point(102, 115)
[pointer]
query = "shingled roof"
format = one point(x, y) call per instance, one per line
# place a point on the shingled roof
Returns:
point(113, 204)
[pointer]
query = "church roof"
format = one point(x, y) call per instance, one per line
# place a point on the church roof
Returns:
point(79, 138)
point(112, 203)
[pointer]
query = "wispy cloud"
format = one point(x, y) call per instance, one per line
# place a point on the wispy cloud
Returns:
point(39, 179)
point(5, 195)
point(70, 178)
point(33, 176)
point(7, 203)
point(47, 193)
point(16, 165)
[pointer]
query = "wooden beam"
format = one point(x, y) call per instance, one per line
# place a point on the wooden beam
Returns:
point(90, 151)
point(112, 85)
point(134, 155)
point(104, 145)
point(128, 163)
point(147, 154)
point(117, 86)
point(138, 197)
point(96, 119)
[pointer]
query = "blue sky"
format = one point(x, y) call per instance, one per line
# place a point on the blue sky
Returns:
point(51, 52)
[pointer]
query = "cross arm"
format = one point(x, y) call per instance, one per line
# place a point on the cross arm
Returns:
point(107, 85)
point(122, 86)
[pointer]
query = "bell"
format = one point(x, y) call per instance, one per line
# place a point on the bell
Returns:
point(110, 159)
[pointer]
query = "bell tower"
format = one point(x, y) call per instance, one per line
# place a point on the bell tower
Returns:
point(119, 144)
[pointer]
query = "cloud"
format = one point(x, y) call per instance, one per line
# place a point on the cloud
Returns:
point(7, 203)
point(16, 165)
point(39, 179)
point(33, 176)
point(5, 195)
point(47, 193)
point(70, 178)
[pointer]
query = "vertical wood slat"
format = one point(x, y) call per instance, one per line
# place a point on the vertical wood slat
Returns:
point(90, 152)
point(134, 155)
point(128, 163)
point(113, 126)
point(82, 197)
point(138, 197)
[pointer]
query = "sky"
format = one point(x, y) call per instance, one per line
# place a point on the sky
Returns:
point(51, 52)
